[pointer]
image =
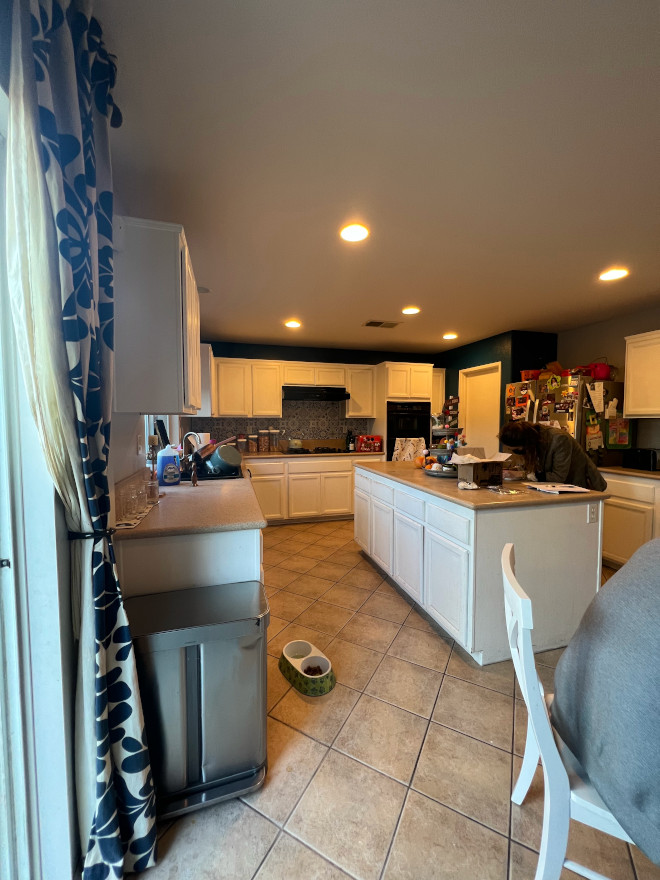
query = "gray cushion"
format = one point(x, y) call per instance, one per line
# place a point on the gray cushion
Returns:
point(607, 696)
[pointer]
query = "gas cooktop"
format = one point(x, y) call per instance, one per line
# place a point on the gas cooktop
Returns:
point(318, 450)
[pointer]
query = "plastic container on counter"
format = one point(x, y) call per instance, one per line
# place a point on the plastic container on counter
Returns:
point(274, 440)
point(264, 440)
point(242, 444)
point(253, 445)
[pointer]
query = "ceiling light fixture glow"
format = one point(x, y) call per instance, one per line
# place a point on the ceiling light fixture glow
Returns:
point(410, 310)
point(450, 335)
point(354, 232)
point(293, 324)
point(614, 273)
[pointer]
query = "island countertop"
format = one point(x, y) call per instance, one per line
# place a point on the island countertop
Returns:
point(406, 473)
point(211, 506)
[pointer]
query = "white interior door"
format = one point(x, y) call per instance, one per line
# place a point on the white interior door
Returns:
point(479, 391)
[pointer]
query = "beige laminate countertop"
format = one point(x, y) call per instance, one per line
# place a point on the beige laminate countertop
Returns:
point(630, 472)
point(406, 473)
point(211, 506)
point(252, 455)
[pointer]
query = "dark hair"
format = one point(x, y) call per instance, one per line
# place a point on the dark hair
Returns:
point(523, 436)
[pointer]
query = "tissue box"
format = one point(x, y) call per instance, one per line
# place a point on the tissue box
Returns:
point(483, 473)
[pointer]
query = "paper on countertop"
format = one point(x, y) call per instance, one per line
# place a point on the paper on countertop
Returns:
point(471, 459)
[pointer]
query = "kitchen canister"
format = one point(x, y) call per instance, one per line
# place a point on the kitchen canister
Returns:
point(264, 440)
point(253, 443)
point(274, 440)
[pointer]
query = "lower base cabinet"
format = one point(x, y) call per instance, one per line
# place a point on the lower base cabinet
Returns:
point(271, 494)
point(447, 573)
point(382, 532)
point(304, 495)
point(362, 520)
point(409, 555)
point(631, 516)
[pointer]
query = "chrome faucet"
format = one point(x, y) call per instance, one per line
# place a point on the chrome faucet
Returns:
point(190, 434)
point(187, 461)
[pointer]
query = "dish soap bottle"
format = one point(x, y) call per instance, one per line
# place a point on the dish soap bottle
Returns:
point(168, 467)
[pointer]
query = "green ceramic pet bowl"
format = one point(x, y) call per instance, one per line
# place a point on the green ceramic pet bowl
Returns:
point(307, 669)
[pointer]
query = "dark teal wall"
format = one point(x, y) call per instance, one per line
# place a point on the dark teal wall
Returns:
point(516, 350)
point(322, 355)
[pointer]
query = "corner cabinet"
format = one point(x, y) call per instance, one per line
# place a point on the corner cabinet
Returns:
point(156, 333)
point(641, 393)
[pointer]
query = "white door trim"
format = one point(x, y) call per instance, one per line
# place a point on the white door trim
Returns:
point(463, 377)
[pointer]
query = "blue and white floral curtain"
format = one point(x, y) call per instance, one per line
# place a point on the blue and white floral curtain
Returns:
point(59, 248)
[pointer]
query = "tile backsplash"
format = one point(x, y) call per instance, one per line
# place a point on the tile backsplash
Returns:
point(304, 419)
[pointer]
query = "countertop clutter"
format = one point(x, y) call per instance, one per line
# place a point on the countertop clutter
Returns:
point(211, 506)
point(477, 499)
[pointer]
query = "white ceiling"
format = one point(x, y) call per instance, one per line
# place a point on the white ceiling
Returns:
point(502, 153)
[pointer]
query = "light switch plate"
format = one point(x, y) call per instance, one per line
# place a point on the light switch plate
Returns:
point(140, 444)
point(592, 512)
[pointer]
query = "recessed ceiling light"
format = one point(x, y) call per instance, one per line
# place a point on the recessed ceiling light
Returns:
point(450, 335)
point(354, 232)
point(293, 324)
point(614, 273)
point(410, 310)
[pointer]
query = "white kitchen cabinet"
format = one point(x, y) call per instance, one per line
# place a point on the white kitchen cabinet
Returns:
point(446, 582)
point(362, 519)
point(382, 533)
point(304, 495)
point(266, 390)
point(407, 381)
point(409, 555)
point(248, 388)
point(271, 494)
point(360, 386)
point(156, 330)
point(641, 393)
point(631, 516)
point(438, 391)
point(234, 387)
point(336, 493)
point(313, 374)
point(209, 381)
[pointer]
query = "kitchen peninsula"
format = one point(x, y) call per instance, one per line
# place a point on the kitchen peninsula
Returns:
point(442, 546)
point(195, 536)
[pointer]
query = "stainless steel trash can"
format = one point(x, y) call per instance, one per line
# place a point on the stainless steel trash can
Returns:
point(201, 662)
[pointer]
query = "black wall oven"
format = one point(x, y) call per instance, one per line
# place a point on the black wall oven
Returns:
point(407, 420)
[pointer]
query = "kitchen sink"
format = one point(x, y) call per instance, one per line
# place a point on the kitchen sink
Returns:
point(185, 476)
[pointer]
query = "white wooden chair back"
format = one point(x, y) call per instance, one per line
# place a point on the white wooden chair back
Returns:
point(519, 625)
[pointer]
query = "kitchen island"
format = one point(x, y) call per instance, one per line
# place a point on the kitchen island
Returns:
point(442, 545)
point(196, 536)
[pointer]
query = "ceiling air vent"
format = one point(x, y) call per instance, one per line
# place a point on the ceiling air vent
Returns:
point(384, 325)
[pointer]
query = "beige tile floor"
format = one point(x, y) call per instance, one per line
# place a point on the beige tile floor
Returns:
point(403, 771)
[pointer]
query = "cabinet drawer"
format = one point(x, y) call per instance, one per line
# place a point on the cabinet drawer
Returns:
point(324, 466)
point(363, 483)
point(409, 504)
point(451, 524)
point(384, 493)
point(265, 468)
point(631, 489)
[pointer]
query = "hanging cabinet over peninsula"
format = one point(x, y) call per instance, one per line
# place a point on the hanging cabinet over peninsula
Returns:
point(156, 333)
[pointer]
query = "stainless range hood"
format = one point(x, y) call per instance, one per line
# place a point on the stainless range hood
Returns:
point(314, 392)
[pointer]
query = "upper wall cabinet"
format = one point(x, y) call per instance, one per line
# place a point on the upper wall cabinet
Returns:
point(408, 381)
point(313, 374)
point(438, 393)
point(157, 349)
point(248, 388)
point(360, 385)
point(209, 405)
point(641, 394)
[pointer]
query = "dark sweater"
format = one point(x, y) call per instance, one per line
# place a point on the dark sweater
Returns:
point(607, 696)
point(562, 460)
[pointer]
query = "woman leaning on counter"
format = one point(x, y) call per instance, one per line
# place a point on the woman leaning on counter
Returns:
point(552, 454)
